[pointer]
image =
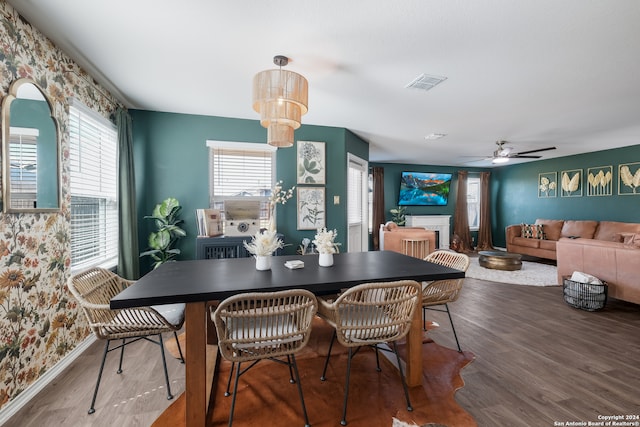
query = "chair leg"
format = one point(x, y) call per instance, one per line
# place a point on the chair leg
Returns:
point(453, 327)
point(235, 393)
point(377, 359)
point(326, 362)
point(175, 334)
point(95, 392)
point(346, 388)
point(297, 380)
point(164, 364)
point(404, 382)
point(124, 343)
point(227, 393)
point(290, 365)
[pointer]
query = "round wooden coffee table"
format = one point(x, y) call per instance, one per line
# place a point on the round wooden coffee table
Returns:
point(498, 260)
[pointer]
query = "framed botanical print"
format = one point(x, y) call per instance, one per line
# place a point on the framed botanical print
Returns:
point(310, 159)
point(600, 181)
point(571, 181)
point(629, 179)
point(547, 185)
point(310, 208)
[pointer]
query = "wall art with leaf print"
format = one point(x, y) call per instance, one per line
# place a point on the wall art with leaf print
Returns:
point(629, 179)
point(571, 183)
point(311, 164)
point(600, 181)
point(547, 184)
point(311, 209)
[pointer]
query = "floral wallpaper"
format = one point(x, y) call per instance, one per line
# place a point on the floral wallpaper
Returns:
point(40, 321)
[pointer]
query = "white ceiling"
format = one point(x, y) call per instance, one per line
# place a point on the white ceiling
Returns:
point(537, 73)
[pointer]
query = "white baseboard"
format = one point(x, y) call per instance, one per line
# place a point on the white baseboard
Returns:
point(11, 408)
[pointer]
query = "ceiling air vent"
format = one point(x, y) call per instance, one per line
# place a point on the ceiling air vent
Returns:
point(425, 82)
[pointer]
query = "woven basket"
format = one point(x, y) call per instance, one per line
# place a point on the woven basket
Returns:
point(585, 296)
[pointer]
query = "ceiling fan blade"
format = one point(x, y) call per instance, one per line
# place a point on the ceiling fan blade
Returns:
point(535, 151)
point(518, 156)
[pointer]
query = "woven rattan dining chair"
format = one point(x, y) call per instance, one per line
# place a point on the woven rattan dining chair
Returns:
point(368, 315)
point(264, 325)
point(94, 289)
point(442, 292)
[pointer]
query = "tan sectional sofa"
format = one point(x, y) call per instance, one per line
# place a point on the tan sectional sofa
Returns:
point(609, 250)
point(553, 229)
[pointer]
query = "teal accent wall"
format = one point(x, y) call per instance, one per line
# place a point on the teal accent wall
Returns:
point(515, 192)
point(171, 160)
point(392, 173)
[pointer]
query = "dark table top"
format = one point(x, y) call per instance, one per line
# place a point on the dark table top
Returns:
point(208, 280)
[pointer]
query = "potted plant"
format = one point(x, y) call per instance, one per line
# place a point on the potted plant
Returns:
point(326, 246)
point(398, 215)
point(262, 247)
point(162, 241)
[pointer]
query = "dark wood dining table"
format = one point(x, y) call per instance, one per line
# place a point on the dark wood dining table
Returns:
point(199, 282)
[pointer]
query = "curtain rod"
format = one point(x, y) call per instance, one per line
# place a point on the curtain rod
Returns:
point(109, 97)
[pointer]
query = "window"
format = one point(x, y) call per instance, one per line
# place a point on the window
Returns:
point(241, 171)
point(473, 203)
point(93, 158)
point(357, 201)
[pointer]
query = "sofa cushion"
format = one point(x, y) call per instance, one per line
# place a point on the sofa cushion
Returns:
point(552, 228)
point(532, 231)
point(527, 242)
point(549, 245)
point(607, 230)
point(631, 240)
point(584, 229)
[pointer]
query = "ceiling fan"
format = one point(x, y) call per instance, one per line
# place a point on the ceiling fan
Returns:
point(502, 154)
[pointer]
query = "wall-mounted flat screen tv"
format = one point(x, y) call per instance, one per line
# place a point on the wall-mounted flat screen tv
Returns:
point(424, 189)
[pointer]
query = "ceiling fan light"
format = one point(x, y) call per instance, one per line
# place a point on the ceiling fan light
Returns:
point(499, 160)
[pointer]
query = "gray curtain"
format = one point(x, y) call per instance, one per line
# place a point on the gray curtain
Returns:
point(128, 250)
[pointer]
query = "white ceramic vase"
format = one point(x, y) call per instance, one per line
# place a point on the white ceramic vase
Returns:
point(263, 262)
point(325, 260)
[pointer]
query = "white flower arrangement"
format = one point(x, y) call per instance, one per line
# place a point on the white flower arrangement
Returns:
point(324, 241)
point(278, 196)
point(264, 243)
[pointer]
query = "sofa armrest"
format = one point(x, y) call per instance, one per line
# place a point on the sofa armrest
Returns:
point(512, 231)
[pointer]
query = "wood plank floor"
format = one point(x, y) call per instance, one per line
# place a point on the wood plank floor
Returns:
point(538, 361)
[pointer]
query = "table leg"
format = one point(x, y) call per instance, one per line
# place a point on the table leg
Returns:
point(195, 369)
point(414, 348)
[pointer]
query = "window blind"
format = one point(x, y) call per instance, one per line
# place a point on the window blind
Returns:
point(93, 161)
point(23, 157)
point(240, 171)
point(355, 182)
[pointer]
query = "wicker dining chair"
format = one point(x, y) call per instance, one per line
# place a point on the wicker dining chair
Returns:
point(94, 289)
point(368, 315)
point(264, 325)
point(442, 292)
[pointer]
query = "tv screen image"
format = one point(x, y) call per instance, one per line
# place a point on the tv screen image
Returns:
point(424, 189)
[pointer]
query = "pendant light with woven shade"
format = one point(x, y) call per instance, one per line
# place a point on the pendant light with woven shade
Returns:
point(281, 98)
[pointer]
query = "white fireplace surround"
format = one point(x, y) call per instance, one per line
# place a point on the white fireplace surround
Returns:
point(432, 222)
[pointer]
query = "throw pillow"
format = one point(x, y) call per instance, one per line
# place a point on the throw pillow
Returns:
point(532, 231)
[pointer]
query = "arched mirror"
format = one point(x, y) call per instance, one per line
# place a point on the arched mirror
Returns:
point(30, 150)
